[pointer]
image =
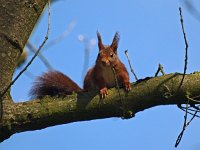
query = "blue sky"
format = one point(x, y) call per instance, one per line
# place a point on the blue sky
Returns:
point(151, 31)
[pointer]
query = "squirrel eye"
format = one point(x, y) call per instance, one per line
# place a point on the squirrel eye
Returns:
point(111, 54)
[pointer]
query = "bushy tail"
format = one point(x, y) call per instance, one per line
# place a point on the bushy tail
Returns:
point(53, 83)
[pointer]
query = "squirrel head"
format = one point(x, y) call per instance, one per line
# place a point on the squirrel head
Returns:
point(107, 54)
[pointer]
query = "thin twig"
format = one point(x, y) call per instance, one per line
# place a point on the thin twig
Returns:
point(68, 30)
point(185, 119)
point(183, 109)
point(195, 107)
point(184, 126)
point(29, 74)
point(117, 84)
point(116, 81)
point(192, 110)
point(37, 52)
point(186, 48)
point(194, 115)
point(192, 9)
point(191, 99)
point(86, 62)
point(42, 58)
point(167, 94)
point(88, 45)
point(160, 69)
point(198, 96)
point(126, 53)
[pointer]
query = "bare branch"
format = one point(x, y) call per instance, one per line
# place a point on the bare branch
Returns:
point(186, 48)
point(184, 126)
point(50, 111)
point(126, 53)
point(118, 89)
point(88, 45)
point(160, 69)
point(68, 30)
point(192, 9)
point(191, 113)
point(42, 58)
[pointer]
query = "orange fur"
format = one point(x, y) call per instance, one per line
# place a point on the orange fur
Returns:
point(100, 77)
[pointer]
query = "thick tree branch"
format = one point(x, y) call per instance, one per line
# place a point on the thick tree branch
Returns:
point(50, 111)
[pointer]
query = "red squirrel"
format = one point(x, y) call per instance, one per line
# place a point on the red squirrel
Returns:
point(100, 76)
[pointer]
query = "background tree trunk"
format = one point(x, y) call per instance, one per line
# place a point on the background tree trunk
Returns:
point(17, 21)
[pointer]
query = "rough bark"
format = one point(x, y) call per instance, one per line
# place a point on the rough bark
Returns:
point(17, 19)
point(50, 111)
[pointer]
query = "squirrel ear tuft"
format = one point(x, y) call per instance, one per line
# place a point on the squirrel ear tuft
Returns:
point(100, 44)
point(115, 42)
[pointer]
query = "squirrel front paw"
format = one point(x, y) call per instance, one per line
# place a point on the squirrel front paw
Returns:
point(103, 92)
point(127, 87)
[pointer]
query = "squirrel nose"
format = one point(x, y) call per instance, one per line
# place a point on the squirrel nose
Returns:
point(105, 62)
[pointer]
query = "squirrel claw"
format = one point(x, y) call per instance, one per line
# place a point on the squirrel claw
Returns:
point(103, 92)
point(127, 87)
